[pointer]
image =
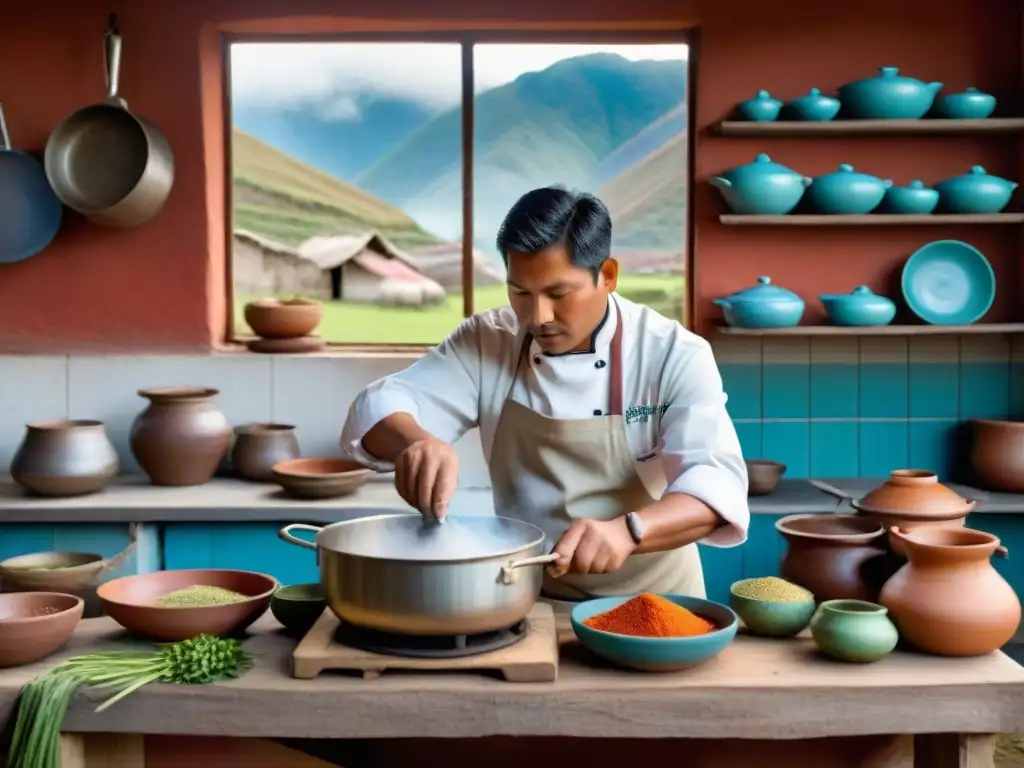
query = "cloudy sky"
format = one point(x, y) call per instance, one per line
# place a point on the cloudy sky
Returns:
point(328, 76)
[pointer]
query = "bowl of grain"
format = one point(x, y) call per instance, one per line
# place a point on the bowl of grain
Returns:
point(654, 633)
point(177, 605)
point(35, 624)
point(772, 607)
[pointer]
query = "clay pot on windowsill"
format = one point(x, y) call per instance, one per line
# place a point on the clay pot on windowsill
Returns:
point(997, 454)
point(283, 318)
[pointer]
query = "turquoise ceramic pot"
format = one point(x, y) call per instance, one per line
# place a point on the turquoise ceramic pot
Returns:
point(762, 306)
point(846, 192)
point(656, 654)
point(770, 618)
point(972, 104)
point(760, 109)
point(915, 198)
point(859, 308)
point(975, 192)
point(888, 96)
point(814, 107)
point(853, 630)
point(761, 188)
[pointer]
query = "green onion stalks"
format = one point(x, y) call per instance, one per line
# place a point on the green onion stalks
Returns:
point(45, 700)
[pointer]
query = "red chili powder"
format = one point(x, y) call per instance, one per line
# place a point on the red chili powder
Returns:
point(650, 615)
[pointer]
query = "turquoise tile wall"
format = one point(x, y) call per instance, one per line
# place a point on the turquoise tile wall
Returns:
point(845, 407)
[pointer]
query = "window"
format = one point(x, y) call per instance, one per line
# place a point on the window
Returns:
point(349, 171)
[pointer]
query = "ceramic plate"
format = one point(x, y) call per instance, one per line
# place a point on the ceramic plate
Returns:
point(949, 282)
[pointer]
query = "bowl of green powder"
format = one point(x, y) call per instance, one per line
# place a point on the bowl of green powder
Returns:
point(177, 605)
point(772, 607)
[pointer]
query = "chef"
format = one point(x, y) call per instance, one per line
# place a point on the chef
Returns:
point(602, 421)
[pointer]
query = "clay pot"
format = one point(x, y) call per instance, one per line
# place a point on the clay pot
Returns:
point(914, 499)
point(948, 599)
point(181, 437)
point(837, 557)
point(64, 458)
point(258, 447)
point(320, 478)
point(854, 631)
point(997, 454)
point(287, 319)
point(763, 476)
point(35, 624)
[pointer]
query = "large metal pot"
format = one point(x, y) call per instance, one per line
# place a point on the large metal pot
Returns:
point(398, 573)
point(107, 163)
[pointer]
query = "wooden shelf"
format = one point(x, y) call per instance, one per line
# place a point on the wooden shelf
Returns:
point(848, 128)
point(881, 330)
point(868, 220)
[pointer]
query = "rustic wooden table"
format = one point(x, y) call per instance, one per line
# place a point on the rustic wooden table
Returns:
point(752, 703)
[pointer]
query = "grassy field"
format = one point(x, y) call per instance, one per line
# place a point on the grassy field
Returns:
point(346, 322)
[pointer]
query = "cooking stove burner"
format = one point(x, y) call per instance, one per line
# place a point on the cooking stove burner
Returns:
point(429, 646)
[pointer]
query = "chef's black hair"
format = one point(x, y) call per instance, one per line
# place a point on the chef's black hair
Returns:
point(557, 216)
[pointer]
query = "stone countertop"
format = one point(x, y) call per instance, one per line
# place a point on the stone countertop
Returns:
point(132, 499)
point(756, 688)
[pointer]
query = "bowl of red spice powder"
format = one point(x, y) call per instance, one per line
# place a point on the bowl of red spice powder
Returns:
point(654, 633)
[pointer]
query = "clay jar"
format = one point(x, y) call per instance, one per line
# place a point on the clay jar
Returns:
point(181, 437)
point(997, 454)
point(914, 499)
point(948, 599)
point(64, 458)
point(837, 557)
point(258, 447)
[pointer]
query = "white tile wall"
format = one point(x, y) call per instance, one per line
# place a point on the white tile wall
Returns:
point(313, 393)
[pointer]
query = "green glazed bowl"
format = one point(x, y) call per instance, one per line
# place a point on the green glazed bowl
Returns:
point(656, 654)
point(853, 630)
point(770, 618)
point(298, 606)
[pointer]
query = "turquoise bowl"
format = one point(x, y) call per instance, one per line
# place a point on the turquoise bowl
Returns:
point(769, 618)
point(656, 654)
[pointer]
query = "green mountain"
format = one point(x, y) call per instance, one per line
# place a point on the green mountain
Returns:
point(286, 200)
point(548, 127)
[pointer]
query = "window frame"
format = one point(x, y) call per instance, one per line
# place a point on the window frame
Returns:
point(468, 39)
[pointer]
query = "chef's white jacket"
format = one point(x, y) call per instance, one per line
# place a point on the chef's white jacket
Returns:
point(682, 439)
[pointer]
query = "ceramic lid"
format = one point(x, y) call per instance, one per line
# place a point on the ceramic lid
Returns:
point(861, 294)
point(916, 184)
point(765, 292)
point(915, 494)
point(846, 171)
point(764, 164)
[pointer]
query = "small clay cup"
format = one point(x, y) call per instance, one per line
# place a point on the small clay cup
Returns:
point(854, 630)
point(997, 454)
point(131, 602)
point(320, 478)
point(283, 319)
point(764, 476)
point(258, 447)
point(298, 606)
point(35, 624)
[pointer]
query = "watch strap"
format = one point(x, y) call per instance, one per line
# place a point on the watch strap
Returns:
point(635, 526)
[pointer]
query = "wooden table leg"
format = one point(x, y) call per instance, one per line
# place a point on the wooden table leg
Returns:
point(102, 750)
point(955, 750)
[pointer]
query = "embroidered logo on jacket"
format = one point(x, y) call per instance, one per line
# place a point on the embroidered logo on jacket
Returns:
point(642, 413)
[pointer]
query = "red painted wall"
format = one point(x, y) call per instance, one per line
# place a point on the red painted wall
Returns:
point(162, 287)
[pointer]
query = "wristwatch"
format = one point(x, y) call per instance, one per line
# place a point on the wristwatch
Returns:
point(636, 527)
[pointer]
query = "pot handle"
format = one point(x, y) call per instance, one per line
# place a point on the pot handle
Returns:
point(508, 571)
point(285, 534)
point(1002, 552)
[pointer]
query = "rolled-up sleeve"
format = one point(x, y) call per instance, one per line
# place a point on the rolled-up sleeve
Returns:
point(699, 448)
point(441, 391)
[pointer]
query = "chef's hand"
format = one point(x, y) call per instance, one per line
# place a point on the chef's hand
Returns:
point(592, 546)
point(426, 474)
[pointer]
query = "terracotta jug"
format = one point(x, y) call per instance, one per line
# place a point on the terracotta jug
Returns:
point(64, 458)
point(997, 454)
point(837, 557)
point(181, 437)
point(258, 447)
point(948, 599)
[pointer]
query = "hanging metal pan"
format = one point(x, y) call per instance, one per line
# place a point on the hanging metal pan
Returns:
point(30, 212)
point(113, 166)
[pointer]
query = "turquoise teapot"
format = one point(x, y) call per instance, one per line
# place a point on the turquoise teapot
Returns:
point(888, 96)
point(760, 109)
point(762, 306)
point(975, 192)
point(762, 187)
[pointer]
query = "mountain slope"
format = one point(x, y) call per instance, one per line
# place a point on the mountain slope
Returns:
point(548, 127)
point(286, 200)
point(654, 136)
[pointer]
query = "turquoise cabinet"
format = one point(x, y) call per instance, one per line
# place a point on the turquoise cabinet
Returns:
point(102, 539)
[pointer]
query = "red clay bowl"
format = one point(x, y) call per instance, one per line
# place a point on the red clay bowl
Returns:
point(283, 319)
point(131, 603)
point(320, 478)
point(35, 624)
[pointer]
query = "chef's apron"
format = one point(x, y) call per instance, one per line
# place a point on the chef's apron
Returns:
point(550, 472)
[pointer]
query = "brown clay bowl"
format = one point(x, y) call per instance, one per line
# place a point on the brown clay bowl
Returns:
point(131, 603)
point(35, 624)
point(320, 478)
point(283, 318)
point(764, 476)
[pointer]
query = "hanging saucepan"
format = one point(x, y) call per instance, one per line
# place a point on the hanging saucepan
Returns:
point(30, 212)
point(107, 163)
point(397, 573)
